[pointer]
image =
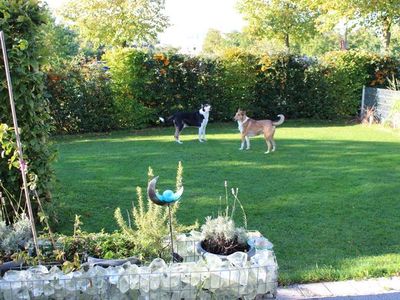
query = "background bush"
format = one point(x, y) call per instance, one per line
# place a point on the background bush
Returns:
point(81, 98)
point(144, 85)
point(347, 71)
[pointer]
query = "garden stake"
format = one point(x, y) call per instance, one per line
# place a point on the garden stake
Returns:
point(166, 199)
point(22, 165)
point(170, 233)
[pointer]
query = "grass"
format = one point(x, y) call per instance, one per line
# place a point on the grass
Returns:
point(328, 198)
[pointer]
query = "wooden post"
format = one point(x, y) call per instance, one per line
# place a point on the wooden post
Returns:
point(362, 102)
point(22, 164)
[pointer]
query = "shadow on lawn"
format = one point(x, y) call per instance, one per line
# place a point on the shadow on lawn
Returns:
point(212, 128)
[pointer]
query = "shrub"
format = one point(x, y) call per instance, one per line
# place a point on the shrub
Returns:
point(128, 82)
point(147, 85)
point(348, 71)
point(281, 87)
point(80, 98)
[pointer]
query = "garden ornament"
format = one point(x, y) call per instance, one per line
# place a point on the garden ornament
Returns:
point(167, 198)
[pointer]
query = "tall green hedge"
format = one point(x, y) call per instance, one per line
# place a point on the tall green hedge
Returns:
point(81, 98)
point(146, 85)
point(21, 20)
point(347, 71)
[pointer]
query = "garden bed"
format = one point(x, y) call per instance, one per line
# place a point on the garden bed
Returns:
point(197, 277)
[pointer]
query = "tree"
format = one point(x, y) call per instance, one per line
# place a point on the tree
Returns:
point(333, 18)
point(116, 23)
point(378, 14)
point(382, 15)
point(213, 42)
point(283, 19)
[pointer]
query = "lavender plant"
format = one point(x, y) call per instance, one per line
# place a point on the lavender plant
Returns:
point(16, 236)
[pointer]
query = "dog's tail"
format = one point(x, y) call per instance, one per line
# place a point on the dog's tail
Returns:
point(166, 120)
point(280, 122)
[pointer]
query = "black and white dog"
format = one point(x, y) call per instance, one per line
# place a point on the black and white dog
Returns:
point(185, 119)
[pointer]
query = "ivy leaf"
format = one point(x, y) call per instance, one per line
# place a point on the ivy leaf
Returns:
point(23, 45)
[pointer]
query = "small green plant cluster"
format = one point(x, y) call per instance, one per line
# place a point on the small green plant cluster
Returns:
point(8, 146)
point(100, 244)
point(394, 117)
point(149, 229)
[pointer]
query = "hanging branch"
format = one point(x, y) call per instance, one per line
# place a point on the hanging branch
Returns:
point(22, 164)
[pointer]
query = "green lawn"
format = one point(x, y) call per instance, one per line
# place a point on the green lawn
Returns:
point(329, 198)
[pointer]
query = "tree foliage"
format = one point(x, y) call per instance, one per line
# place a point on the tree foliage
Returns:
point(213, 42)
point(60, 44)
point(380, 15)
point(282, 19)
point(116, 23)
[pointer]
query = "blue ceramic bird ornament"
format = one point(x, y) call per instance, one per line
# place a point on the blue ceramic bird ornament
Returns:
point(168, 197)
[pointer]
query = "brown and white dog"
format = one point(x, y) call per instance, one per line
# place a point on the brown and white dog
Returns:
point(249, 127)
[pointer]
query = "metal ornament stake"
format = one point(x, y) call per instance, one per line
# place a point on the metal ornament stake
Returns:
point(22, 164)
point(166, 199)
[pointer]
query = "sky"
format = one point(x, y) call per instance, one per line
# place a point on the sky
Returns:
point(191, 19)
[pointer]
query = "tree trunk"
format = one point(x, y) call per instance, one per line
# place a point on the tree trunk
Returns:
point(343, 42)
point(287, 42)
point(386, 35)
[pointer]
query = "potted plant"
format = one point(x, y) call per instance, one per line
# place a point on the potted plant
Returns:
point(220, 236)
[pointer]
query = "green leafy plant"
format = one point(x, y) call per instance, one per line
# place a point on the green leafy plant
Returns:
point(101, 245)
point(8, 146)
point(21, 24)
point(394, 115)
point(393, 84)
